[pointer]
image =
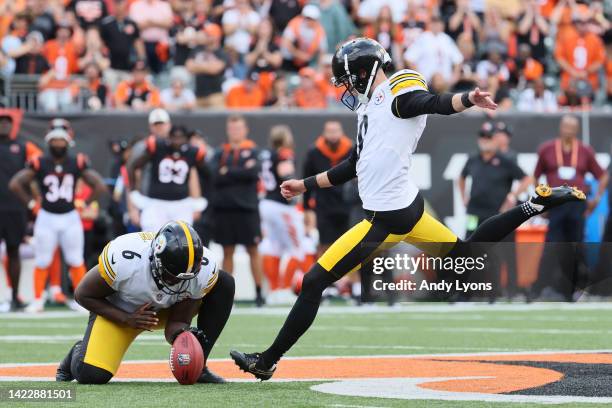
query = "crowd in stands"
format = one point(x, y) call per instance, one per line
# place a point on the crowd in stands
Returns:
point(534, 55)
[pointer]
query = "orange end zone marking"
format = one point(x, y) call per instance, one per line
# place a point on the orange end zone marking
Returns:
point(502, 378)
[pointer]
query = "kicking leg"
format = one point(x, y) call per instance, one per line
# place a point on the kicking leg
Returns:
point(499, 226)
point(342, 257)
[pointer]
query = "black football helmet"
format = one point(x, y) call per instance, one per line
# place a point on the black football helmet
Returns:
point(176, 254)
point(354, 66)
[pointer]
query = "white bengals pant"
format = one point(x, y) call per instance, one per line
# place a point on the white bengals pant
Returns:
point(283, 230)
point(65, 230)
point(155, 213)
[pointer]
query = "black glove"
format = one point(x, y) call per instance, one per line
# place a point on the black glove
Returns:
point(199, 334)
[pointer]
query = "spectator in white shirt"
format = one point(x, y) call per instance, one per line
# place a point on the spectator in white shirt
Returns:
point(154, 19)
point(434, 52)
point(537, 99)
point(370, 9)
point(178, 97)
point(239, 24)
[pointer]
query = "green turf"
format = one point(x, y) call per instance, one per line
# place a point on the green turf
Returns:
point(334, 333)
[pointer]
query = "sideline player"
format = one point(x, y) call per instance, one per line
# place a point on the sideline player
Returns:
point(15, 153)
point(392, 112)
point(282, 224)
point(168, 197)
point(57, 223)
point(146, 281)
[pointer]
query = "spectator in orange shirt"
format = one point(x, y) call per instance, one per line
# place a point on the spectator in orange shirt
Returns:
point(389, 34)
point(529, 68)
point(92, 87)
point(580, 54)
point(608, 41)
point(279, 96)
point(61, 55)
point(309, 94)
point(137, 92)
point(323, 78)
point(303, 40)
point(247, 94)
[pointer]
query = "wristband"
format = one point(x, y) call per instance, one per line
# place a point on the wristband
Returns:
point(311, 183)
point(465, 100)
point(31, 204)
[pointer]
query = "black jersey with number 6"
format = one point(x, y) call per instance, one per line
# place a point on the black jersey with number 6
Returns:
point(57, 181)
point(170, 168)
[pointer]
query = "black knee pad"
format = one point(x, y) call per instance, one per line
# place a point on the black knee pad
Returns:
point(88, 374)
point(315, 282)
point(226, 284)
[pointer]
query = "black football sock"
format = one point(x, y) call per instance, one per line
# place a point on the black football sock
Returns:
point(301, 316)
point(258, 292)
point(14, 270)
point(215, 310)
point(496, 228)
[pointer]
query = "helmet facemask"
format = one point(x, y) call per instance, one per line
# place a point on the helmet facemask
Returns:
point(167, 281)
point(171, 278)
point(359, 84)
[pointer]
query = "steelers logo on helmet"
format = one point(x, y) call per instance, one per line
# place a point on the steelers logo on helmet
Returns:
point(176, 255)
point(159, 244)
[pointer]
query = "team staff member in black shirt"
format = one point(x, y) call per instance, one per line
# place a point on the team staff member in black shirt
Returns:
point(57, 222)
point(328, 205)
point(14, 154)
point(493, 174)
point(235, 168)
point(492, 177)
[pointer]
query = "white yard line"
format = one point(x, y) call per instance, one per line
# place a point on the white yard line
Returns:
point(402, 308)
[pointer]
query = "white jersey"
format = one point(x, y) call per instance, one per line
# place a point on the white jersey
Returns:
point(125, 265)
point(385, 144)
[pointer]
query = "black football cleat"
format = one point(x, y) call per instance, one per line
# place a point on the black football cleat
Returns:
point(17, 305)
point(63, 373)
point(208, 377)
point(252, 363)
point(547, 197)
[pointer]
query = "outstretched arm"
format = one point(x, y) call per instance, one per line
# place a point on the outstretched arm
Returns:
point(344, 171)
point(411, 104)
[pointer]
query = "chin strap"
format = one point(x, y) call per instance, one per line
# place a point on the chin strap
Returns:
point(363, 98)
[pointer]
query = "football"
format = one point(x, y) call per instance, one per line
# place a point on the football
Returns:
point(186, 358)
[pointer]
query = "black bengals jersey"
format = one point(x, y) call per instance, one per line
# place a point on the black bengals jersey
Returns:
point(57, 182)
point(170, 168)
point(14, 154)
point(270, 161)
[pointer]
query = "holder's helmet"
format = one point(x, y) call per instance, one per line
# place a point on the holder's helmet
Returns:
point(176, 254)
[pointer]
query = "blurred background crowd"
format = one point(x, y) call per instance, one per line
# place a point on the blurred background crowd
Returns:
point(74, 55)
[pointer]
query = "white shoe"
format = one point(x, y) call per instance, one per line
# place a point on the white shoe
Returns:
point(5, 307)
point(73, 305)
point(272, 298)
point(36, 306)
point(286, 297)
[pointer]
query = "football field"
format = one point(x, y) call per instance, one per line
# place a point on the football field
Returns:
point(417, 355)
